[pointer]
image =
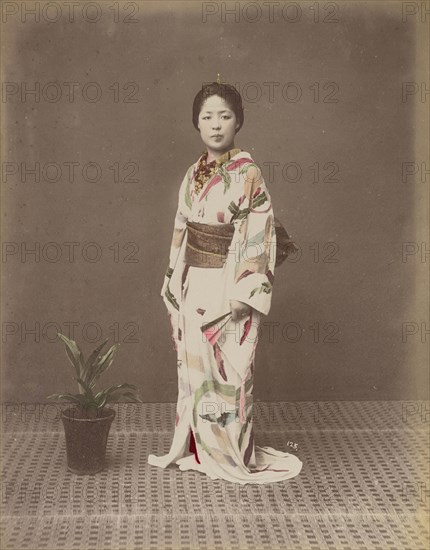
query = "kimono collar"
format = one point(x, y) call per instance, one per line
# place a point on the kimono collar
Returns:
point(223, 158)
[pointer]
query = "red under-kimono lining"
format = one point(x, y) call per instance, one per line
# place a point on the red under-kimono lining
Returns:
point(193, 448)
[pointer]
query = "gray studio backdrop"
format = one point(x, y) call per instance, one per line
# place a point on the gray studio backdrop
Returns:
point(94, 156)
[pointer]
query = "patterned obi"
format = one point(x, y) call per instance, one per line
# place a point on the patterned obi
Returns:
point(208, 244)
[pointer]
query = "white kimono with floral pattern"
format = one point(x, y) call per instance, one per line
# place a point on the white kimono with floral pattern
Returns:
point(216, 365)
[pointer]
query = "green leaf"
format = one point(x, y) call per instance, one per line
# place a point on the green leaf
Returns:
point(101, 402)
point(83, 384)
point(267, 287)
point(114, 388)
point(107, 395)
point(243, 213)
point(92, 357)
point(76, 398)
point(246, 167)
point(105, 361)
point(73, 352)
point(233, 207)
point(259, 200)
point(226, 178)
point(132, 396)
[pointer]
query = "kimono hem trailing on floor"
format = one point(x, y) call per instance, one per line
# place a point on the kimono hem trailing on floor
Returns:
point(215, 355)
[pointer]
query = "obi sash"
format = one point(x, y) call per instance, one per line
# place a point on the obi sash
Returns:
point(208, 244)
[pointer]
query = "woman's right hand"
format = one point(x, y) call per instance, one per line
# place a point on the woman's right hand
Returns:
point(239, 310)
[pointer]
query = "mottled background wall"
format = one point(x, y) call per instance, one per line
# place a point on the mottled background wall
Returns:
point(326, 121)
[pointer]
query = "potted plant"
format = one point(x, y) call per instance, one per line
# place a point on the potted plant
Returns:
point(87, 424)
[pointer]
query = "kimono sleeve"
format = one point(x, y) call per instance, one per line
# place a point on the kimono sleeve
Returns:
point(179, 226)
point(255, 252)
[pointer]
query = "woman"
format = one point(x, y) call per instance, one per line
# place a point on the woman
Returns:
point(217, 286)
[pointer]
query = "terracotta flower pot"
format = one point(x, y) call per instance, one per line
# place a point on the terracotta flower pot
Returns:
point(86, 439)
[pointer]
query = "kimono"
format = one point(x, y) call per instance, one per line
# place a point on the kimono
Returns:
point(216, 355)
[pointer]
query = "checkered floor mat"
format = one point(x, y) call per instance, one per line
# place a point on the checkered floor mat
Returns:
point(365, 483)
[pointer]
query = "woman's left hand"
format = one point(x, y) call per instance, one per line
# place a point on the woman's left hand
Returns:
point(239, 310)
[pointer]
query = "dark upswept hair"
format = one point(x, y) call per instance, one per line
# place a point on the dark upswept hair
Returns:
point(226, 92)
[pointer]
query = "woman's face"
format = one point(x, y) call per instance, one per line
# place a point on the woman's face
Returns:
point(217, 124)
